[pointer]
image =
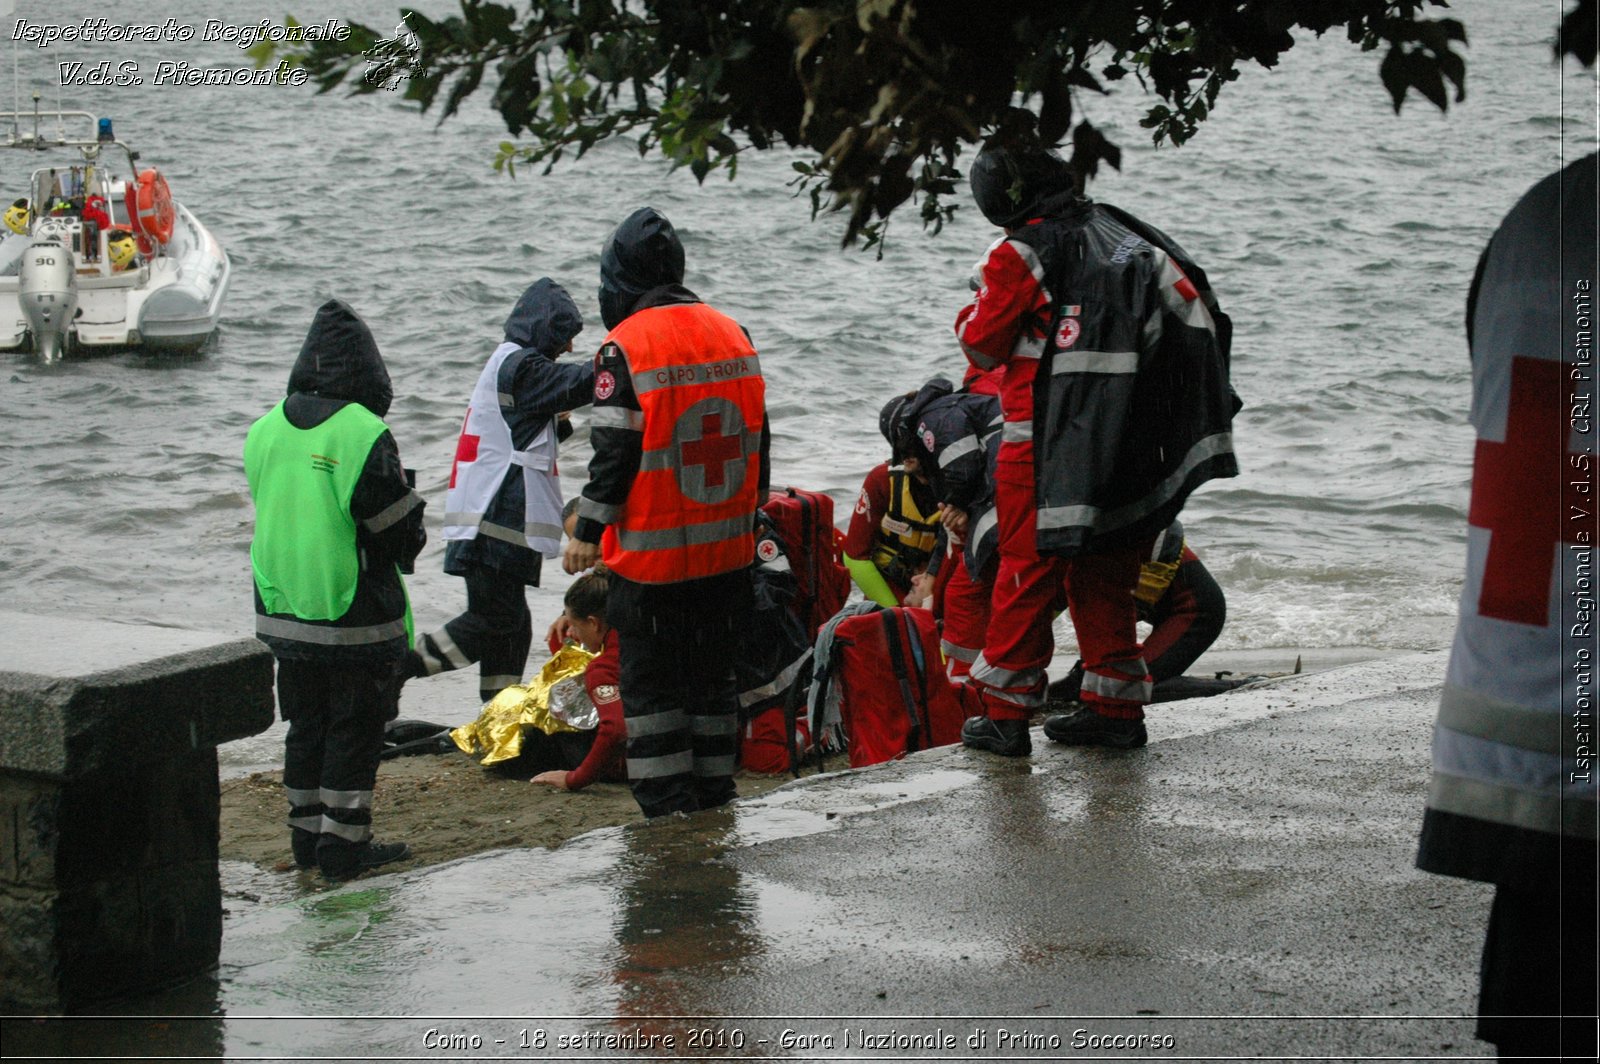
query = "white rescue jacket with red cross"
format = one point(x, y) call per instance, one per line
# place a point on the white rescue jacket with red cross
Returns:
point(486, 454)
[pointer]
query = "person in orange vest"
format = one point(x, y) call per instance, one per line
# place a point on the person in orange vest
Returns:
point(679, 429)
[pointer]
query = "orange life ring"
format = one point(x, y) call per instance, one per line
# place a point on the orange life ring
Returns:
point(150, 210)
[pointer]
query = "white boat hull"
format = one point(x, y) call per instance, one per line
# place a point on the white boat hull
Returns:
point(169, 303)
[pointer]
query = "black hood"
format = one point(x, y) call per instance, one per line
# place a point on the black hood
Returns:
point(340, 360)
point(936, 389)
point(1014, 185)
point(544, 319)
point(642, 255)
point(893, 426)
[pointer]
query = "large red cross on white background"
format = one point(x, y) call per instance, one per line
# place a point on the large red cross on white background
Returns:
point(1518, 494)
point(466, 448)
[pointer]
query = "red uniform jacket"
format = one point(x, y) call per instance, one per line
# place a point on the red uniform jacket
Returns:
point(607, 760)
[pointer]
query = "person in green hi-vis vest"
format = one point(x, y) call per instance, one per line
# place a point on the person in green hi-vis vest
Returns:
point(337, 523)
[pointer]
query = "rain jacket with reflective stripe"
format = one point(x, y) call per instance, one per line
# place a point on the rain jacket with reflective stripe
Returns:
point(956, 439)
point(339, 367)
point(531, 389)
point(1116, 393)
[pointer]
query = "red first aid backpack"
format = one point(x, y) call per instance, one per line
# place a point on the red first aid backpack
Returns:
point(894, 696)
point(804, 522)
point(764, 746)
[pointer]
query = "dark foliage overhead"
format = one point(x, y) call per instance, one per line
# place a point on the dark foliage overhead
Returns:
point(886, 93)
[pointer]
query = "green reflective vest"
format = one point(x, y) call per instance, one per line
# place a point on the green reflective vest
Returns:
point(304, 554)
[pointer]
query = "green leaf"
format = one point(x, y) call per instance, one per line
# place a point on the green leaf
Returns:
point(864, 87)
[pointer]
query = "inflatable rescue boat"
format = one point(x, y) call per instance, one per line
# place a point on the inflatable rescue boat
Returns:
point(98, 255)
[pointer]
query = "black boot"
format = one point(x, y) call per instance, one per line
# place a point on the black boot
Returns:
point(343, 861)
point(1085, 727)
point(304, 845)
point(1008, 738)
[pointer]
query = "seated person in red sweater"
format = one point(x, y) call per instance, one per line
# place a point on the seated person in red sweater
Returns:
point(892, 529)
point(585, 620)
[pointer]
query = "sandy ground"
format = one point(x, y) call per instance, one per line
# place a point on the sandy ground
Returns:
point(446, 806)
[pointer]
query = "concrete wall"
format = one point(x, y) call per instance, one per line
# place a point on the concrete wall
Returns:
point(109, 803)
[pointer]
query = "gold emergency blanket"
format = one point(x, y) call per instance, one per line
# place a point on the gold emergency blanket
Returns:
point(553, 701)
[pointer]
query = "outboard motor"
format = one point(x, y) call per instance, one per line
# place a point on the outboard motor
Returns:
point(47, 288)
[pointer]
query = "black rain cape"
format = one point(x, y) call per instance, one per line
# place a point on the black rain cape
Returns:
point(1116, 454)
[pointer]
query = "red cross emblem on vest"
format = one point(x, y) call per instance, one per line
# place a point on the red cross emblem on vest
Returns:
point(709, 440)
point(1523, 497)
point(713, 451)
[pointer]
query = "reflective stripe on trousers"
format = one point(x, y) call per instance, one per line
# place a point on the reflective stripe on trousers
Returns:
point(496, 631)
point(966, 619)
point(336, 714)
point(680, 705)
point(1027, 589)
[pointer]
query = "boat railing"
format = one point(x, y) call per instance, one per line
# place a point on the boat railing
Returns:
point(13, 134)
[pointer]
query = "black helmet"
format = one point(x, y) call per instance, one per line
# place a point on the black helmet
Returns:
point(896, 430)
point(1012, 185)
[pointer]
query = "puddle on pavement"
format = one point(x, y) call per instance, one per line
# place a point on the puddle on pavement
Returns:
point(613, 926)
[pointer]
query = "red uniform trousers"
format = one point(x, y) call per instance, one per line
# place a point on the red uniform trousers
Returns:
point(966, 617)
point(1010, 673)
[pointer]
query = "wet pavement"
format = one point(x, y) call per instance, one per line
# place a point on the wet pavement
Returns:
point(1241, 887)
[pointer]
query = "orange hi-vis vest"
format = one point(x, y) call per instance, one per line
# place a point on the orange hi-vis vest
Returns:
point(691, 510)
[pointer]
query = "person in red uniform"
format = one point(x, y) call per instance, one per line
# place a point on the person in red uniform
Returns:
point(954, 435)
point(679, 430)
point(585, 616)
point(893, 527)
point(1117, 405)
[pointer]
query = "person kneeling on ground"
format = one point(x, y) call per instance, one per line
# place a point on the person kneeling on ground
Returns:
point(585, 621)
point(1178, 597)
point(949, 433)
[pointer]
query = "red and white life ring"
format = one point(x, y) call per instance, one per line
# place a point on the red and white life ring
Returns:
point(150, 210)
